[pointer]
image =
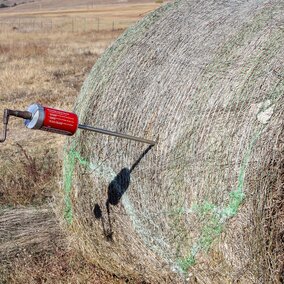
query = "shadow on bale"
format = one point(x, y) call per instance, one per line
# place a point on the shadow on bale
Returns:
point(116, 189)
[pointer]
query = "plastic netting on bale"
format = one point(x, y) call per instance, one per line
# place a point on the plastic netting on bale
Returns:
point(206, 80)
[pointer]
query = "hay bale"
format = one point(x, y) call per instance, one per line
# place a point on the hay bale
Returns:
point(205, 79)
point(28, 231)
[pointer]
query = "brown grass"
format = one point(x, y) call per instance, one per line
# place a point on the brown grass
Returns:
point(34, 180)
point(77, 5)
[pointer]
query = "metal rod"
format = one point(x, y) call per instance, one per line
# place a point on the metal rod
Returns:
point(5, 125)
point(3, 138)
point(116, 134)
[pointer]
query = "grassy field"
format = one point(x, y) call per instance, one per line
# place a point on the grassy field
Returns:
point(48, 5)
point(48, 65)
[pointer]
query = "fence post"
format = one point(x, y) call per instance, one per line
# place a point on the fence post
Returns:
point(98, 24)
point(112, 25)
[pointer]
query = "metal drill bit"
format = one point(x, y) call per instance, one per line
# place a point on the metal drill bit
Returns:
point(116, 134)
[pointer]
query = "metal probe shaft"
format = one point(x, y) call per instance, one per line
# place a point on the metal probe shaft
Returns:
point(116, 134)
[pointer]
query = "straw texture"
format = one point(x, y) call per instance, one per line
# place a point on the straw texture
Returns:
point(204, 79)
point(28, 230)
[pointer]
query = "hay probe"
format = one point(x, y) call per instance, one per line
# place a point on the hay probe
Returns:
point(58, 121)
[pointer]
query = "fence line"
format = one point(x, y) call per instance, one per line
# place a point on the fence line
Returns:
point(72, 24)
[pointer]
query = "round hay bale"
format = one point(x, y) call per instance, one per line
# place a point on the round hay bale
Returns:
point(204, 79)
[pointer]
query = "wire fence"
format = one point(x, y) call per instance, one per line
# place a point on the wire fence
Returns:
point(63, 24)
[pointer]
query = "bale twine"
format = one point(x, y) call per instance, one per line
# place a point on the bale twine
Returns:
point(204, 79)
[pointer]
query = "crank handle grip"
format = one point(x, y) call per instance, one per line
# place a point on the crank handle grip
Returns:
point(17, 113)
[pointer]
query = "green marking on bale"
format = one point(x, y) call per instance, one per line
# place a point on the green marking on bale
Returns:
point(215, 216)
point(71, 158)
point(69, 166)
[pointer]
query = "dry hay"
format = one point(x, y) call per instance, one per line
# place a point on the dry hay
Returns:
point(28, 231)
point(205, 79)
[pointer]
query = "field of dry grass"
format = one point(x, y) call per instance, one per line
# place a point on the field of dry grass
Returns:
point(31, 5)
point(47, 66)
point(49, 69)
